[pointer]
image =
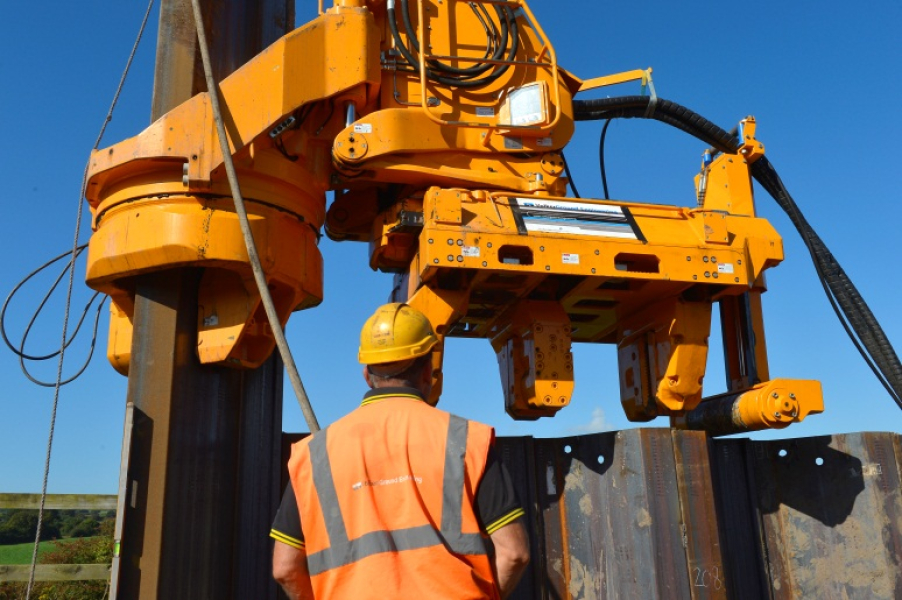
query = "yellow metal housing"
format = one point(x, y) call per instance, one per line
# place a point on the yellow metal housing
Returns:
point(459, 189)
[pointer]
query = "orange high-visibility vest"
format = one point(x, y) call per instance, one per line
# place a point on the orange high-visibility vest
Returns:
point(386, 500)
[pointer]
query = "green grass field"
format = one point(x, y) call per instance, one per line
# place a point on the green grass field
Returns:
point(20, 554)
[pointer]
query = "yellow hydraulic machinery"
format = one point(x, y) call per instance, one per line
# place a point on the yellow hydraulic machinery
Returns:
point(439, 125)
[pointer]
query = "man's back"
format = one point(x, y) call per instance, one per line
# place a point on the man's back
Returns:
point(387, 502)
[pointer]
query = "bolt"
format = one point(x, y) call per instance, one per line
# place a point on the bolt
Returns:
point(450, 242)
point(430, 240)
point(704, 259)
point(435, 261)
point(776, 395)
point(596, 253)
point(707, 274)
point(593, 270)
point(547, 268)
point(460, 242)
point(688, 259)
point(488, 245)
point(793, 396)
point(485, 264)
point(450, 258)
point(541, 248)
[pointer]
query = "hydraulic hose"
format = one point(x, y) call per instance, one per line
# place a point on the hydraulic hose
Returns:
point(469, 72)
point(851, 309)
point(444, 74)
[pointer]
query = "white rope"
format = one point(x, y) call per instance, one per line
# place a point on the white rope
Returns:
point(59, 369)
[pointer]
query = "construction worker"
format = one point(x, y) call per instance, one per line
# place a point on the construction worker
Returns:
point(399, 499)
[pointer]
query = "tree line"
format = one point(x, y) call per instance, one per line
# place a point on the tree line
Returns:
point(18, 526)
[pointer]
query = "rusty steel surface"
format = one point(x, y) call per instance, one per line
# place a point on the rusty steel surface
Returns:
point(831, 512)
point(659, 513)
point(203, 473)
point(203, 481)
point(236, 29)
point(655, 513)
point(180, 492)
point(739, 524)
point(258, 479)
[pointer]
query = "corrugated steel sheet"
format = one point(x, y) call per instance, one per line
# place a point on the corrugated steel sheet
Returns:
point(655, 513)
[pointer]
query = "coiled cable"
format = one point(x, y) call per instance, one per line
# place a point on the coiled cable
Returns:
point(478, 75)
point(20, 349)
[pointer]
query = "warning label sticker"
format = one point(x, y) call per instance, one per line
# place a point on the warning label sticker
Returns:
point(725, 268)
point(570, 259)
point(573, 218)
point(470, 251)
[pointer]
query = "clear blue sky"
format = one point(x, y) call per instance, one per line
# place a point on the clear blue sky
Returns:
point(822, 78)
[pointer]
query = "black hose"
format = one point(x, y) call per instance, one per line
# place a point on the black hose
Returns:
point(852, 311)
point(439, 72)
point(569, 176)
point(604, 173)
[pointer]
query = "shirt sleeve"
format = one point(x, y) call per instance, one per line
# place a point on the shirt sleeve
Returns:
point(286, 527)
point(496, 502)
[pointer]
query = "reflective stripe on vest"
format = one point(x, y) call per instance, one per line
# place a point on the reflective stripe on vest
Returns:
point(342, 551)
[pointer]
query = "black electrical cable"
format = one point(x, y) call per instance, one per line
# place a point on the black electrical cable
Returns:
point(19, 350)
point(84, 366)
point(853, 312)
point(569, 176)
point(604, 174)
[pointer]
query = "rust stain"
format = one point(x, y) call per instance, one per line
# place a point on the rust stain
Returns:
point(202, 250)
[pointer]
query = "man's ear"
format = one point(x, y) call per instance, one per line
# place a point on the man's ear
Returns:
point(427, 372)
point(366, 376)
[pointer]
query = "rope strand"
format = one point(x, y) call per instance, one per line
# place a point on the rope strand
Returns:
point(74, 256)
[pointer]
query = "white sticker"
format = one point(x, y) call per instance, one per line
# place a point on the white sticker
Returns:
point(485, 111)
point(570, 259)
point(872, 470)
point(363, 128)
point(470, 251)
point(513, 143)
point(545, 141)
point(725, 267)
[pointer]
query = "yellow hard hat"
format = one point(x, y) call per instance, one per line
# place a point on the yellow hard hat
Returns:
point(394, 333)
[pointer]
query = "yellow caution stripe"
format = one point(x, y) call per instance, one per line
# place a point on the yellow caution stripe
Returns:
point(505, 520)
point(286, 539)
point(373, 399)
